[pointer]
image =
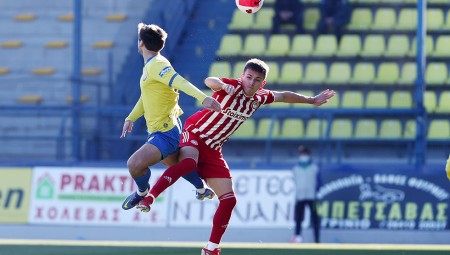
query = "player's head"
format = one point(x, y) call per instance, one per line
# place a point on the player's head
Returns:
point(304, 155)
point(151, 37)
point(254, 76)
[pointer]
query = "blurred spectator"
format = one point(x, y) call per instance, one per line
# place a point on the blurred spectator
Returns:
point(334, 15)
point(307, 181)
point(288, 12)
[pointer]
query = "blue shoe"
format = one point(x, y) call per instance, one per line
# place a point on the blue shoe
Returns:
point(208, 194)
point(131, 201)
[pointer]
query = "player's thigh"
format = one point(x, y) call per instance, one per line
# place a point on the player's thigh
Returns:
point(220, 185)
point(172, 159)
point(145, 156)
point(189, 152)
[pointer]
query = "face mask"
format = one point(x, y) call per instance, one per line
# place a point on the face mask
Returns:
point(304, 159)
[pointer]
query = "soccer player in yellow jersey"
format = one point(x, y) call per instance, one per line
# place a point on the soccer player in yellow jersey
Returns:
point(159, 104)
point(447, 167)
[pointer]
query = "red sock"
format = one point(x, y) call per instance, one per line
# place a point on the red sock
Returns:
point(222, 216)
point(172, 174)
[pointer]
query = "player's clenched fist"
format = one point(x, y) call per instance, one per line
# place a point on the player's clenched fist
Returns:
point(211, 104)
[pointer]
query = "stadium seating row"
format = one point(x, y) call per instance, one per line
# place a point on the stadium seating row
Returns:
point(364, 73)
point(327, 45)
point(371, 1)
point(361, 19)
point(30, 17)
point(291, 128)
point(55, 44)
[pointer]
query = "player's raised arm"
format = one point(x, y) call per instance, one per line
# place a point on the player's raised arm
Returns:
point(292, 97)
point(185, 86)
point(216, 84)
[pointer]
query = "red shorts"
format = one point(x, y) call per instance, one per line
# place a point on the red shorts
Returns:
point(211, 163)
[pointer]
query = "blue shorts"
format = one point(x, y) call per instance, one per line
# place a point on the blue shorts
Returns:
point(166, 142)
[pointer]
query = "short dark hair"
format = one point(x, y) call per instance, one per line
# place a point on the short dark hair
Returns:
point(258, 66)
point(153, 36)
point(303, 150)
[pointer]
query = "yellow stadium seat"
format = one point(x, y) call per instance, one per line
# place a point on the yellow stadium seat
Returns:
point(352, 99)
point(385, 19)
point(374, 46)
point(4, 70)
point(246, 130)
point(361, 19)
point(274, 72)
point(363, 73)
point(264, 19)
point(435, 19)
point(339, 73)
point(230, 45)
point(316, 72)
point(398, 46)
point(341, 128)
point(292, 128)
point(401, 99)
point(388, 73)
point(316, 128)
point(240, 20)
point(118, 17)
point(444, 103)
point(376, 99)
point(409, 74)
point(291, 73)
point(56, 44)
point(332, 102)
point(25, 17)
point(255, 45)
point(220, 69)
point(91, 71)
point(366, 128)
point(439, 129)
point(390, 129)
point(410, 129)
point(350, 46)
point(326, 45)
point(103, 44)
point(436, 73)
point(407, 19)
point(311, 17)
point(279, 105)
point(66, 17)
point(442, 47)
point(32, 99)
point(278, 46)
point(268, 127)
point(429, 46)
point(302, 45)
point(11, 44)
point(430, 101)
point(238, 69)
point(83, 99)
point(44, 71)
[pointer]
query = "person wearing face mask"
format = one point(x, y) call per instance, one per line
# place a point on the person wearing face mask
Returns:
point(307, 180)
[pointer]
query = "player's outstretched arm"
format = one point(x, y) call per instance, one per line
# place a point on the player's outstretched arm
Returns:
point(216, 84)
point(188, 88)
point(292, 97)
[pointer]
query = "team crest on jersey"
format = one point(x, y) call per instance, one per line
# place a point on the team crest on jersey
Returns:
point(165, 125)
point(255, 104)
point(194, 142)
point(164, 71)
point(144, 76)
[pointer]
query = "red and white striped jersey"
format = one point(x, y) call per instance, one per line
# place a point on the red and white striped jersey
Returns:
point(215, 128)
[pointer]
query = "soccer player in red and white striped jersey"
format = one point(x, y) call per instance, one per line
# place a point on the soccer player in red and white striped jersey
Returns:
point(205, 132)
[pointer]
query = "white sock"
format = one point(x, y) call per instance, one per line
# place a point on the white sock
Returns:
point(143, 193)
point(211, 246)
point(201, 190)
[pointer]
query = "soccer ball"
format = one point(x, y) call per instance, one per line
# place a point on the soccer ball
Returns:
point(249, 6)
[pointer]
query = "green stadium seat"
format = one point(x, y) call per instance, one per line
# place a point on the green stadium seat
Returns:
point(401, 99)
point(429, 46)
point(435, 19)
point(326, 45)
point(268, 127)
point(352, 99)
point(279, 105)
point(264, 19)
point(436, 73)
point(292, 128)
point(374, 46)
point(361, 19)
point(442, 47)
point(278, 46)
point(366, 128)
point(388, 73)
point(363, 73)
point(310, 18)
point(376, 99)
point(255, 45)
point(316, 72)
point(291, 73)
point(340, 73)
point(430, 101)
point(302, 45)
point(390, 129)
point(385, 19)
point(444, 103)
point(341, 128)
point(246, 130)
point(316, 128)
point(240, 21)
point(230, 45)
point(410, 129)
point(439, 129)
point(238, 69)
point(274, 73)
point(407, 19)
point(220, 69)
point(409, 74)
point(398, 46)
point(350, 46)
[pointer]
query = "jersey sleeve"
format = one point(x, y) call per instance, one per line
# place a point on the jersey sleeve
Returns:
point(137, 112)
point(269, 97)
point(232, 82)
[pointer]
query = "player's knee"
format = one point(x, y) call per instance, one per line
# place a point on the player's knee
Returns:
point(229, 200)
point(134, 166)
